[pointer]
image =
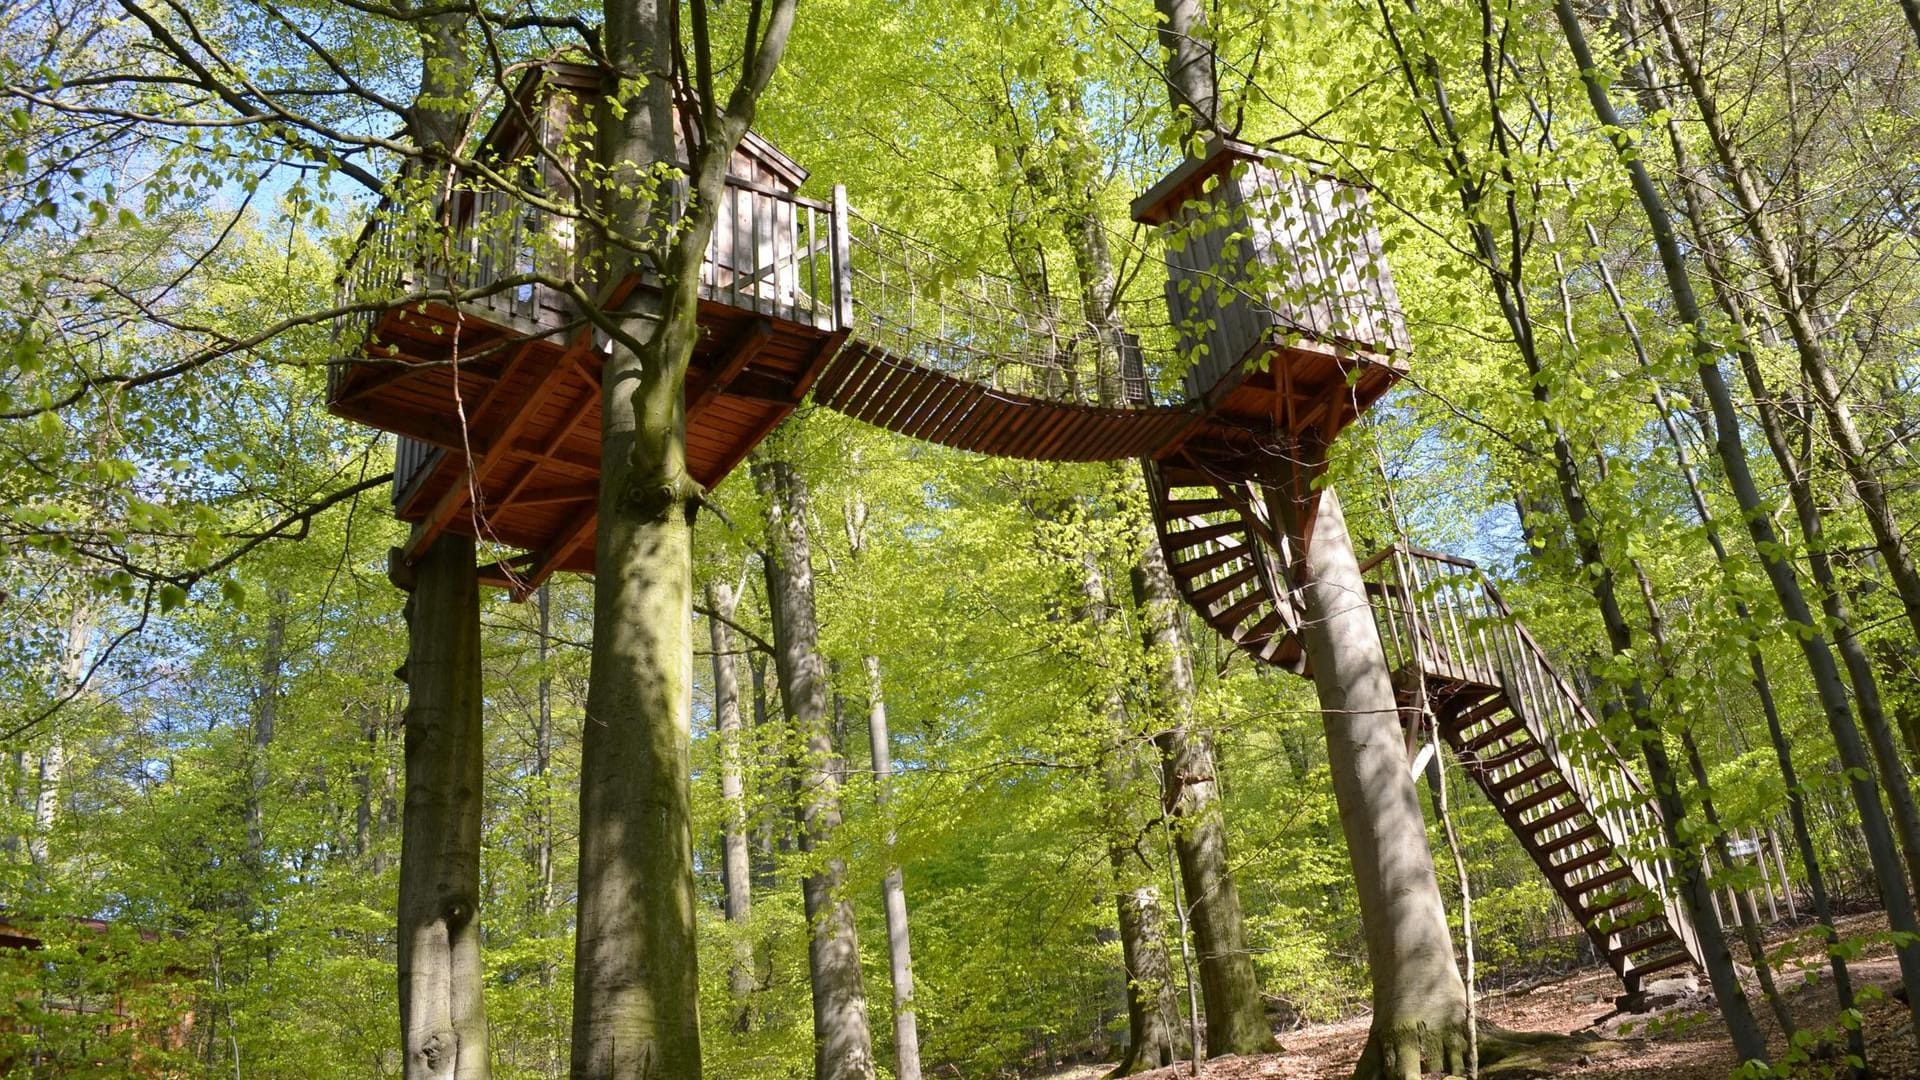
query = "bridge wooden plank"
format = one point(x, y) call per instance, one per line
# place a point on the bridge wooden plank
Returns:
point(958, 410)
point(926, 389)
point(901, 380)
point(936, 408)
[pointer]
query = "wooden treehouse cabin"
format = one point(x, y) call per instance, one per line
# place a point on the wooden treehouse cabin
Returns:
point(1281, 324)
point(494, 386)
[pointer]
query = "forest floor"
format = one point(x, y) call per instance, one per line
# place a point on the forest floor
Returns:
point(1681, 1041)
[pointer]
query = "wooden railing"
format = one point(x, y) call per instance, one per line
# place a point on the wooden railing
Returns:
point(1441, 617)
point(771, 252)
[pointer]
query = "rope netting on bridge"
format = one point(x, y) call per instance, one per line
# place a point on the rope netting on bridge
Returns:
point(929, 308)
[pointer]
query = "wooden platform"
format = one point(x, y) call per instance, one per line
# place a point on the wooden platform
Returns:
point(514, 413)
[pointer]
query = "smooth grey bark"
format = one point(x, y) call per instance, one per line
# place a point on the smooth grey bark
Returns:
point(893, 890)
point(443, 1017)
point(1419, 1002)
point(636, 982)
point(843, 1040)
point(1187, 43)
point(636, 986)
point(543, 759)
point(1731, 450)
point(50, 770)
point(723, 600)
point(266, 712)
point(1190, 794)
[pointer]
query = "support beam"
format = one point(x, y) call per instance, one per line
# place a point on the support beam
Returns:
point(472, 484)
point(565, 543)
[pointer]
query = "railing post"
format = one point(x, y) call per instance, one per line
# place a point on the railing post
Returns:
point(842, 265)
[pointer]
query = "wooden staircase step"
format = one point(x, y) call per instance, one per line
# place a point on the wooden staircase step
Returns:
point(1187, 538)
point(1212, 560)
point(1649, 914)
point(1212, 591)
point(1589, 912)
point(1592, 858)
point(1486, 709)
point(1647, 944)
point(1181, 508)
point(1600, 881)
point(1558, 817)
point(1495, 733)
point(1578, 836)
point(1524, 777)
point(1662, 963)
point(1260, 631)
point(1539, 798)
point(1246, 606)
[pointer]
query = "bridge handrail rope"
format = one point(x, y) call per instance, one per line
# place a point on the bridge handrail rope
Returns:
point(927, 307)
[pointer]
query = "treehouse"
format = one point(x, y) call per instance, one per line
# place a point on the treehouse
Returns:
point(1279, 290)
point(492, 381)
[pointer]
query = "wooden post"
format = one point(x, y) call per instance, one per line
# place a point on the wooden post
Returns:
point(842, 264)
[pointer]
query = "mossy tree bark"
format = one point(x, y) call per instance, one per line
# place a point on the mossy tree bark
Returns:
point(842, 1036)
point(443, 1017)
point(1419, 1001)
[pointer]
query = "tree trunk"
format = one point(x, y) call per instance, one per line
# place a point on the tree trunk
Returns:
point(906, 1030)
point(543, 762)
point(1731, 449)
point(722, 600)
point(443, 1019)
point(843, 1042)
point(1236, 1019)
point(266, 711)
point(1419, 1002)
point(51, 770)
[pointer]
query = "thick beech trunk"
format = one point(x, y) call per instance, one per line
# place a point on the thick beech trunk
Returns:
point(843, 1041)
point(722, 599)
point(1419, 1002)
point(1236, 1019)
point(443, 1020)
point(636, 983)
point(636, 986)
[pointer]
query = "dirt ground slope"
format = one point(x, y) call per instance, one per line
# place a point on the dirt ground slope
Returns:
point(1682, 1041)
